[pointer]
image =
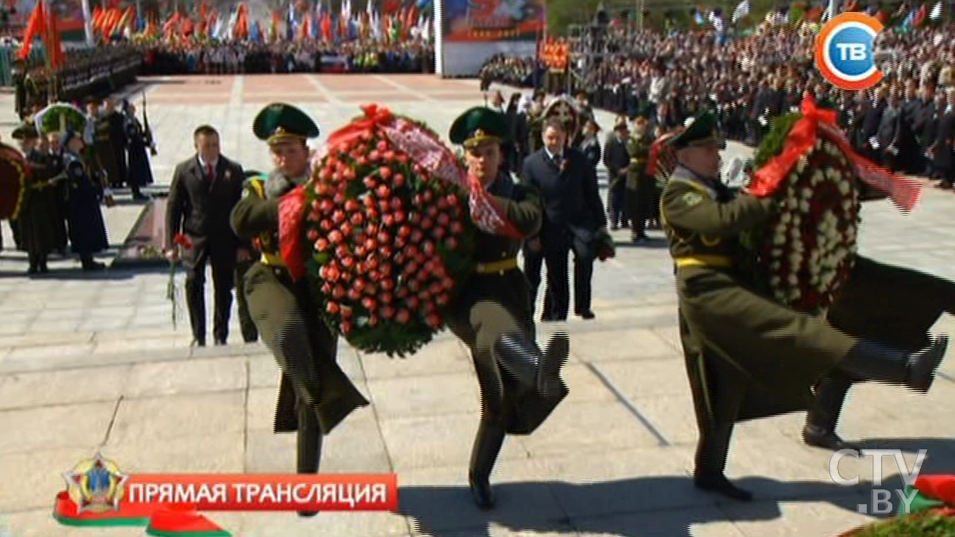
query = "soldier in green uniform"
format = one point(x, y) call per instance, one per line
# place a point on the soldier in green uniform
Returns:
point(520, 384)
point(640, 185)
point(315, 394)
point(746, 355)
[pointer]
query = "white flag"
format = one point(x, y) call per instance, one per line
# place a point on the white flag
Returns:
point(717, 22)
point(936, 11)
point(741, 11)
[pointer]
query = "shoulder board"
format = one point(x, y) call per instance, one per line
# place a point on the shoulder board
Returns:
point(256, 184)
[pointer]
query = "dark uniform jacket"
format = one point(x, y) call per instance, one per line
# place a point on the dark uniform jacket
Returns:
point(200, 207)
point(268, 284)
point(524, 409)
point(569, 193)
point(740, 341)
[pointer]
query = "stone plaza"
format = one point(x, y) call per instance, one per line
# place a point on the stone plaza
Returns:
point(92, 362)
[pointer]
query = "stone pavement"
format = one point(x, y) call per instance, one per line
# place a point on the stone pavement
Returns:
point(92, 362)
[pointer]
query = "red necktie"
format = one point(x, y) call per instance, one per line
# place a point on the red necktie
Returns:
point(212, 174)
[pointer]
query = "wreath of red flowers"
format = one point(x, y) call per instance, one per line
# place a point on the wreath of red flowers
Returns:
point(389, 241)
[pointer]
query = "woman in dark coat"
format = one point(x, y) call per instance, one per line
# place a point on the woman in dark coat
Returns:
point(87, 229)
point(139, 172)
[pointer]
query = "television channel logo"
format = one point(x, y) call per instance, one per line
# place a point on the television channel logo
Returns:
point(845, 51)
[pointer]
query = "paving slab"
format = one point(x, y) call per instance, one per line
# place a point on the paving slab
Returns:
point(449, 441)
point(51, 427)
point(437, 499)
point(62, 387)
point(198, 375)
point(162, 419)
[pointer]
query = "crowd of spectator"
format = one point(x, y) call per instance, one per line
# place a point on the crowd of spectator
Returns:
point(287, 57)
point(906, 122)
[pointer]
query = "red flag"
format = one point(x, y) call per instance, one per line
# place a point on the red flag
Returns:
point(327, 27)
point(203, 14)
point(170, 26)
point(53, 49)
point(242, 22)
point(97, 18)
point(920, 16)
point(35, 27)
point(187, 28)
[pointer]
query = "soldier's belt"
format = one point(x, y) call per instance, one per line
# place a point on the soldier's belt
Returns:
point(272, 260)
point(497, 266)
point(704, 261)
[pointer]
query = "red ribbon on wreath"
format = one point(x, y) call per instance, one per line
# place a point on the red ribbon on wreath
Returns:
point(424, 149)
point(802, 138)
point(291, 231)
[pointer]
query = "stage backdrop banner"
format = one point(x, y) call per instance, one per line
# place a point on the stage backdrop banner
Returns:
point(470, 31)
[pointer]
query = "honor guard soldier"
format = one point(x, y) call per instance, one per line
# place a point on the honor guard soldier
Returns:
point(746, 355)
point(520, 384)
point(315, 394)
point(641, 186)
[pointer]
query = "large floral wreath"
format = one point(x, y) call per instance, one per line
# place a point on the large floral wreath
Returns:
point(384, 231)
point(14, 172)
point(806, 251)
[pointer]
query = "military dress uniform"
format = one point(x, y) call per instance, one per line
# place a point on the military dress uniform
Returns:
point(746, 355)
point(641, 187)
point(520, 384)
point(315, 394)
point(41, 226)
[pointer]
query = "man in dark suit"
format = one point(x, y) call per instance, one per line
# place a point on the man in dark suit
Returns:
point(574, 214)
point(924, 126)
point(617, 161)
point(943, 150)
point(204, 189)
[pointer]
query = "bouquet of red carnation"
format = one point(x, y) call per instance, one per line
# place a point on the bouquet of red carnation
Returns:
point(805, 253)
point(388, 238)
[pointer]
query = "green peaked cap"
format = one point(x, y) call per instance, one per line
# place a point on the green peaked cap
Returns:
point(25, 131)
point(703, 131)
point(281, 122)
point(479, 125)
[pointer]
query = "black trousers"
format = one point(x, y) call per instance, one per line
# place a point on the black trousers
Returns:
point(640, 205)
point(616, 210)
point(249, 332)
point(533, 265)
point(557, 246)
point(222, 260)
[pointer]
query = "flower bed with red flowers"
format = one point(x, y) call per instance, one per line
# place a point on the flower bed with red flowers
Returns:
point(803, 255)
point(389, 242)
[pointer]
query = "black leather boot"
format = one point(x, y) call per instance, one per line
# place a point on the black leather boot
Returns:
point(549, 383)
point(519, 356)
point(820, 429)
point(915, 370)
point(523, 359)
point(711, 452)
point(309, 445)
point(487, 445)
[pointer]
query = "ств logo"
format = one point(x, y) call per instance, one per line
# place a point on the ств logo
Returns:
point(845, 51)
